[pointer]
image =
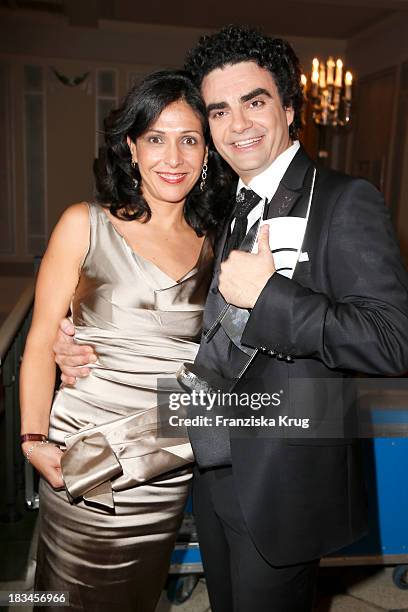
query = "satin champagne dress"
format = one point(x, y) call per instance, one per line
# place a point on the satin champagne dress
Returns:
point(107, 539)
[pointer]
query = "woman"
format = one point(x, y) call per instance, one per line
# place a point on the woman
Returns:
point(135, 268)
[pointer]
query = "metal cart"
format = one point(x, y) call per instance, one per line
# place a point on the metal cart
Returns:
point(386, 543)
point(186, 566)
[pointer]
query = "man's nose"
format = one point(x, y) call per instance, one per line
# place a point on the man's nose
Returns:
point(240, 121)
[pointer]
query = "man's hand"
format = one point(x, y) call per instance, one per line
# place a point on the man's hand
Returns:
point(244, 275)
point(69, 355)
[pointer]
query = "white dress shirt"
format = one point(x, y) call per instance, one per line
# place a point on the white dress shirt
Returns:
point(266, 183)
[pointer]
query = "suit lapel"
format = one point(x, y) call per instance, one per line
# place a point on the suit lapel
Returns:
point(282, 202)
point(221, 245)
point(291, 188)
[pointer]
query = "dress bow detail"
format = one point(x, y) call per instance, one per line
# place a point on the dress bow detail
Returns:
point(120, 454)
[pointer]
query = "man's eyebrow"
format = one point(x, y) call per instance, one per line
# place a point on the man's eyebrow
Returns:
point(260, 91)
point(216, 106)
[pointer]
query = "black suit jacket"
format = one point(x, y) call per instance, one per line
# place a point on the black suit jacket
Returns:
point(346, 309)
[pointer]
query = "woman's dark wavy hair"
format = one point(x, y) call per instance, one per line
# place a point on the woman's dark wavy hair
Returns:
point(114, 174)
point(234, 44)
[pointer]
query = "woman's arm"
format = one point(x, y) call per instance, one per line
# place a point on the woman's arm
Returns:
point(56, 283)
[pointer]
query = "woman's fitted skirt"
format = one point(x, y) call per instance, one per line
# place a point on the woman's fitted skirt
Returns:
point(110, 562)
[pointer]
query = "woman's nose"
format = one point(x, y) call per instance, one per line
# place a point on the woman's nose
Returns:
point(174, 155)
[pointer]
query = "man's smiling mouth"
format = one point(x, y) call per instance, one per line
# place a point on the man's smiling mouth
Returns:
point(245, 144)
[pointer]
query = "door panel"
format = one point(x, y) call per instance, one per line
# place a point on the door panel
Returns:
point(373, 128)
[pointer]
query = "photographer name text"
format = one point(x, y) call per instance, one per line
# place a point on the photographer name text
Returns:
point(251, 421)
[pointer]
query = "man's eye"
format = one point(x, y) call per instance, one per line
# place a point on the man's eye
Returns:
point(218, 114)
point(257, 103)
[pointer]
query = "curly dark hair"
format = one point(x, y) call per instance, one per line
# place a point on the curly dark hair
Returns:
point(234, 44)
point(114, 174)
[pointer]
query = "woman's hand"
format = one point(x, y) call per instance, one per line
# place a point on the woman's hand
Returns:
point(46, 458)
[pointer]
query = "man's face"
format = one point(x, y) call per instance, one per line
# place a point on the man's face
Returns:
point(248, 124)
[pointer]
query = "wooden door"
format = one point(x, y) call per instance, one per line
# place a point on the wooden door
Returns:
point(373, 129)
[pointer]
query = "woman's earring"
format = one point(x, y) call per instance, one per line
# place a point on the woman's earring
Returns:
point(135, 181)
point(203, 177)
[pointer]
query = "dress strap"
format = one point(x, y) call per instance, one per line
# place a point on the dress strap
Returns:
point(94, 211)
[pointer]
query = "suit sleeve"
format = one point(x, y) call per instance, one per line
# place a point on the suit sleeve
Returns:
point(363, 324)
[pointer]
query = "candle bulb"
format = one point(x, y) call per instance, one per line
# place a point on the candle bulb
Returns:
point(339, 73)
point(330, 71)
point(348, 80)
point(322, 77)
point(303, 80)
point(315, 77)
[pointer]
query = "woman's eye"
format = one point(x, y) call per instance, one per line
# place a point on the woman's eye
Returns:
point(190, 140)
point(155, 139)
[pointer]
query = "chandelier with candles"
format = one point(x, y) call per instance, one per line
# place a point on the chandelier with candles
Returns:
point(330, 93)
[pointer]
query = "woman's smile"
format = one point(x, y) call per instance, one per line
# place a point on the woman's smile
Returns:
point(172, 178)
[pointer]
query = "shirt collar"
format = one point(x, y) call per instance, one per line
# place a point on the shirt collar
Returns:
point(266, 183)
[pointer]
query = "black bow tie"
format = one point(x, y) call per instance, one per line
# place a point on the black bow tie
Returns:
point(245, 202)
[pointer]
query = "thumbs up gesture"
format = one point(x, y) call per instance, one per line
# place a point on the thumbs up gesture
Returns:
point(244, 275)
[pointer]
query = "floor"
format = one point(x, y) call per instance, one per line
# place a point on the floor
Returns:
point(340, 589)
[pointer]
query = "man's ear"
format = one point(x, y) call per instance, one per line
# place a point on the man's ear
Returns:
point(132, 148)
point(290, 115)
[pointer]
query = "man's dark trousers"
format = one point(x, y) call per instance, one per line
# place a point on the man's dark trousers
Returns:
point(239, 579)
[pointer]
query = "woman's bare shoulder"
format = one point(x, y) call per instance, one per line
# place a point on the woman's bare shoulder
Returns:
point(76, 213)
point(72, 229)
point(75, 218)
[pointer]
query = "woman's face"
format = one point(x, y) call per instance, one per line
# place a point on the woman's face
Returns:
point(170, 154)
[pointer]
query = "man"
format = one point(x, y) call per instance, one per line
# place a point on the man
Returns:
point(268, 509)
